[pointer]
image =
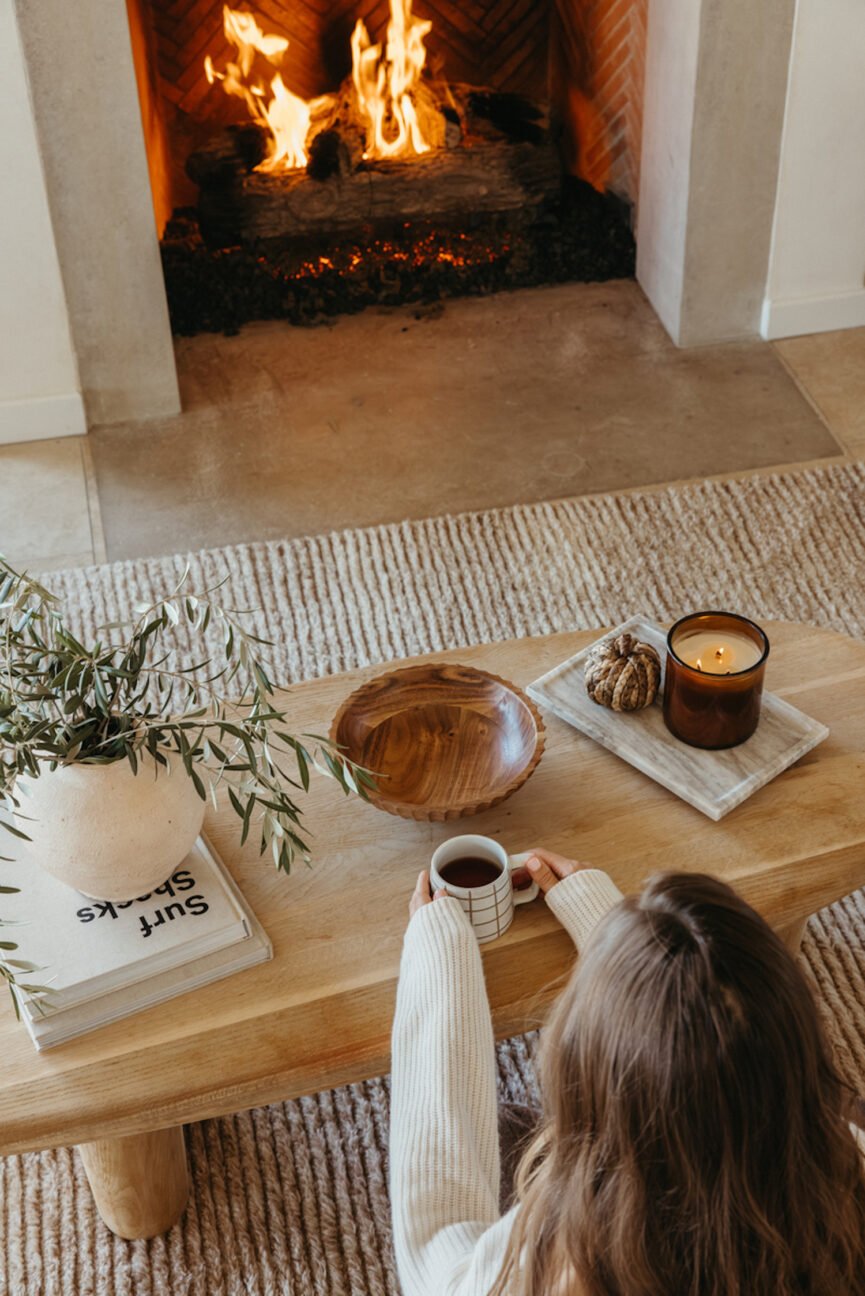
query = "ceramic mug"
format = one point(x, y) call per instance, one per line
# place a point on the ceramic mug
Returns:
point(490, 907)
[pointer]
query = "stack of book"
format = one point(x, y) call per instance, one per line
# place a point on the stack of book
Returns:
point(99, 960)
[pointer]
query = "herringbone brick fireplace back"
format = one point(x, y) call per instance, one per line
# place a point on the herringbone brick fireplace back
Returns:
point(501, 43)
point(618, 43)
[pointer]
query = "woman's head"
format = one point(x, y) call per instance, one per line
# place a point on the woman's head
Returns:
point(694, 1141)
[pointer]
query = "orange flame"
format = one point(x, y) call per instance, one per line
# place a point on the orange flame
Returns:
point(285, 115)
point(385, 86)
point(384, 83)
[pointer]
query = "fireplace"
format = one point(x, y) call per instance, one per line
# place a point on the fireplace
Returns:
point(693, 149)
point(310, 160)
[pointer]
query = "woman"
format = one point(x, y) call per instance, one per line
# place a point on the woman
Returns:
point(693, 1139)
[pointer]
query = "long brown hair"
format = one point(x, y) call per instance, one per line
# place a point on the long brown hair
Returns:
point(694, 1140)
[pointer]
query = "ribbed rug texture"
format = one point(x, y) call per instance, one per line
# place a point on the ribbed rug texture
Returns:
point(292, 1199)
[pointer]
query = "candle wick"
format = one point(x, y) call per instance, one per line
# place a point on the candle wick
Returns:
point(719, 653)
point(699, 664)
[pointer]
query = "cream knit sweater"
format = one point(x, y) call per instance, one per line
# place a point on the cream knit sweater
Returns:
point(444, 1149)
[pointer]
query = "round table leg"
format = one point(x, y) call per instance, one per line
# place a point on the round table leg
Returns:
point(140, 1182)
point(792, 933)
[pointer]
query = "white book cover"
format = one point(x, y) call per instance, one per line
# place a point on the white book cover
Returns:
point(46, 1032)
point(84, 948)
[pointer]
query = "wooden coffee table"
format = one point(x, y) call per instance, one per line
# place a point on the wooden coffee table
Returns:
point(320, 1013)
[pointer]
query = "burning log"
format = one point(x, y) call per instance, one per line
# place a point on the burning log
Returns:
point(492, 176)
point(229, 155)
point(391, 145)
point(497, 157)
point(459, 114)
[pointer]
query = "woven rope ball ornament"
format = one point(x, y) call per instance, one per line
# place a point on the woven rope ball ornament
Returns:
point(623, 673)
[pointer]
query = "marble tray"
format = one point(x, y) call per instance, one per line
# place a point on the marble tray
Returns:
point(715, 782)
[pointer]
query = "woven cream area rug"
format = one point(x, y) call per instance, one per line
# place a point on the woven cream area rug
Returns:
point(292, 1199)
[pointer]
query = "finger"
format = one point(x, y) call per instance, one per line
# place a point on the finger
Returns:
point(521, 878)
point(420, 896)
point(441, 894)
point(541, 873)
point(560, 865)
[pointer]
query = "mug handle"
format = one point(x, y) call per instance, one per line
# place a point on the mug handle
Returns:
point(529, 893)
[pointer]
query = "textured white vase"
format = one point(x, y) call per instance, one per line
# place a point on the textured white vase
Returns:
point(107, 832)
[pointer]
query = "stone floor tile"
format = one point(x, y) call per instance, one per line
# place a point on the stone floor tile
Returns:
point(44, 516)
point(526, 396)
point(830, 368)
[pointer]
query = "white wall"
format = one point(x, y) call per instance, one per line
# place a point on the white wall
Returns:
point(716, 81)
point(817, 265)
point(39, 390)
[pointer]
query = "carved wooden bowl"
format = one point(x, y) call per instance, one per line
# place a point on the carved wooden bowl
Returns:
point(443, 741)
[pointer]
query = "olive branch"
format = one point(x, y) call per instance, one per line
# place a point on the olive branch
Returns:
point(126, 696)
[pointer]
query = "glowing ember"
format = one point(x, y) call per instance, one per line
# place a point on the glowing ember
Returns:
point(385, 86)
point(424, 250)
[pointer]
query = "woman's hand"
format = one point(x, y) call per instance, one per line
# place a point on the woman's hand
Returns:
point(421, 894)
point(548, 869)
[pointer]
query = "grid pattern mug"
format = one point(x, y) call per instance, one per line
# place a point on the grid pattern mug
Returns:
point(490, 908)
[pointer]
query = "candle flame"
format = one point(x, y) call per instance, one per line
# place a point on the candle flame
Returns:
point(699, 664)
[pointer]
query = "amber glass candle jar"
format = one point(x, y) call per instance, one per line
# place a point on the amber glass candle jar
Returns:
point(714, 679)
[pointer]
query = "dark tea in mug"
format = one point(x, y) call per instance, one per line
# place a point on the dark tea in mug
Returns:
point(470, 871)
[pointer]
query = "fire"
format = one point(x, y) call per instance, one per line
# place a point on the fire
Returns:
point(285, 115)
point(385, 87)
point(288, 118)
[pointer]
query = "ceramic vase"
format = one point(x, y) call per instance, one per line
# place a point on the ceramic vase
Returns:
point(106, 831)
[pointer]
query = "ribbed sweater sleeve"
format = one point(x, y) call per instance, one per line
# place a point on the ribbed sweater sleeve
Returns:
point(444, 1152)
point(580, 901)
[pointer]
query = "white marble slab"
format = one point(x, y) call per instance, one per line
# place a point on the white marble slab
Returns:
point(715, 782)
